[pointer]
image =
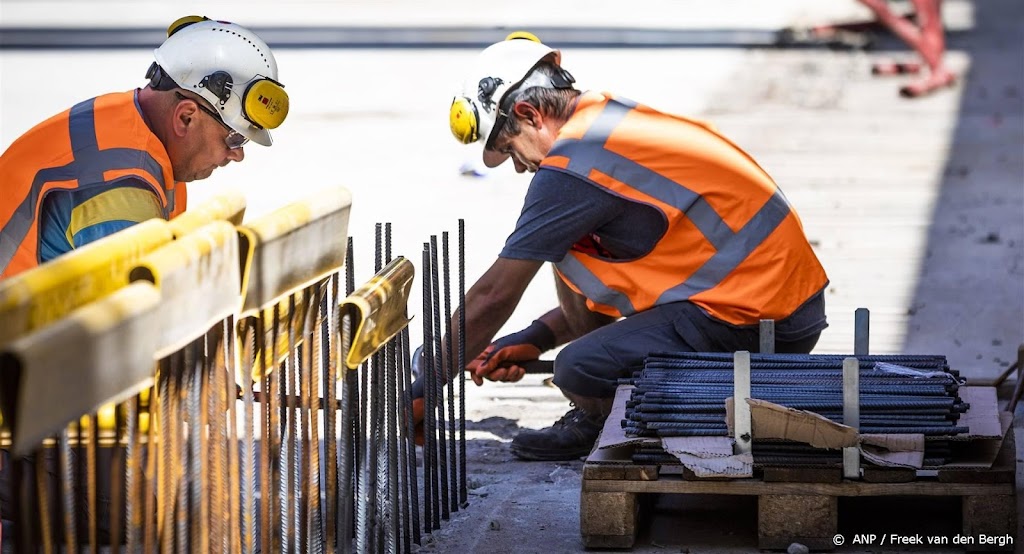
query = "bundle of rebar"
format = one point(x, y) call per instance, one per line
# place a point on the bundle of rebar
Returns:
point(684, 394)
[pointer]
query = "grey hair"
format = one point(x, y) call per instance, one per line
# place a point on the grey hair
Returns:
point(557, 103)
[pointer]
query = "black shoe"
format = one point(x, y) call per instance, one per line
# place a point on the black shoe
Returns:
point(571, 437)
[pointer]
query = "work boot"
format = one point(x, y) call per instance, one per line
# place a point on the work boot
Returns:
point(569, 438)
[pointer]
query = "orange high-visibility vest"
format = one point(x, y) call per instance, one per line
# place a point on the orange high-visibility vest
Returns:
point(733, 245)
point(98, 141)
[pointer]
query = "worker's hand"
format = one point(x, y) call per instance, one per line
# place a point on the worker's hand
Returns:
point(498, 361)
point(499, 364)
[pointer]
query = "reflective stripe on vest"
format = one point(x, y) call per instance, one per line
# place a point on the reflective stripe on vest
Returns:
point(732, 248)
point(88, 167)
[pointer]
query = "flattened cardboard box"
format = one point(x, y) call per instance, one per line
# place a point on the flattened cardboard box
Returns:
point(708, 456)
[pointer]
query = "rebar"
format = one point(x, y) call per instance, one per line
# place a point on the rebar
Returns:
point(449, 373)
point(67, 472)
point(439, 375)
point(427, 374)
point(330, 313)
point(413, 482)
point(392, 412)
point(463, 488)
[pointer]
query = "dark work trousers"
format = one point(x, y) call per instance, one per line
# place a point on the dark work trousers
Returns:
point(591, 365)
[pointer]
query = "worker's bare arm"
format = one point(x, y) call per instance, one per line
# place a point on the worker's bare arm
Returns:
point(491, 301)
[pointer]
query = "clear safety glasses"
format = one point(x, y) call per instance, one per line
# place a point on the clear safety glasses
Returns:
point(234, 140)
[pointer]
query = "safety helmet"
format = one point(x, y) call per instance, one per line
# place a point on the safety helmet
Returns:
point(502, 69)
point(230, 67)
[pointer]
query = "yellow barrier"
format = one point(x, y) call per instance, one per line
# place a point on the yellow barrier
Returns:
point(198, 279)
point(173, 329)
point(293, 247)
point(46, 293)
point(102, 352)
point(228, 206)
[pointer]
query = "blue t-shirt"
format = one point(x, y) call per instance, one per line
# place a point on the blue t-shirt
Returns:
point(561, 210)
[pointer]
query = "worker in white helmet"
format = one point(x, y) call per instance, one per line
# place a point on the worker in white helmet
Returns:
point(665, 236)
point(118, 159)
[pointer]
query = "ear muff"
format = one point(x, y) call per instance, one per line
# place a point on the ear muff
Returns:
point(265, 103)
point(464, 120)
point(183, 22)
point(522, 35)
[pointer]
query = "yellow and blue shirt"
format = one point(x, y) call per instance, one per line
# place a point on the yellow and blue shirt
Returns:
point(82, 174)
point(70, 219)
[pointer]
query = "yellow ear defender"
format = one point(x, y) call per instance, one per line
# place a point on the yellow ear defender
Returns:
point(464, 120)
point(265, 103)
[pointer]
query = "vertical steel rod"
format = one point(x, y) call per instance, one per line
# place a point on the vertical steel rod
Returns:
point(427, 374)
point(132, 457)
point(67, 472)
point(439, 383)
point(413, 509)
point(461, 364)
point(449, 373)
point(330, 313)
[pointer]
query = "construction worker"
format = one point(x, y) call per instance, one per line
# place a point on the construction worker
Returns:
point(118, 159)
point(664, 235)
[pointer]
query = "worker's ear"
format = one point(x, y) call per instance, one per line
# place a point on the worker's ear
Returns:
point(527, 112)
point(184, 116)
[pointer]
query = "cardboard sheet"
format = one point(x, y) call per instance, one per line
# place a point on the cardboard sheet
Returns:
point(772, 421)
point(613, 435)
point(982, 418)
point(710, 456)
point(893, 450)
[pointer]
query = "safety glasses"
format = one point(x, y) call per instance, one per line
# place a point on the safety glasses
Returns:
point(234, 140)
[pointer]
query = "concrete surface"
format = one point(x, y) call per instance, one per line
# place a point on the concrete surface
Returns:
point(916, 207)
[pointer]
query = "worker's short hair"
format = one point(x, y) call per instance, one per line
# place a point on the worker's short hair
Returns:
point(551, 102)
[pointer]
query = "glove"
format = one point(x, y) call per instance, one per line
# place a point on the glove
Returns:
point(497, 361)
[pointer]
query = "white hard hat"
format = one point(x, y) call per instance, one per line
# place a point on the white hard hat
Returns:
point(504, 67)
point(230, 67)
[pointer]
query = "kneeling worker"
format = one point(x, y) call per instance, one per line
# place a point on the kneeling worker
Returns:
point(664, 235)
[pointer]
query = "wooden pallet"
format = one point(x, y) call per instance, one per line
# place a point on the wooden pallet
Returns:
point(794, 505)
